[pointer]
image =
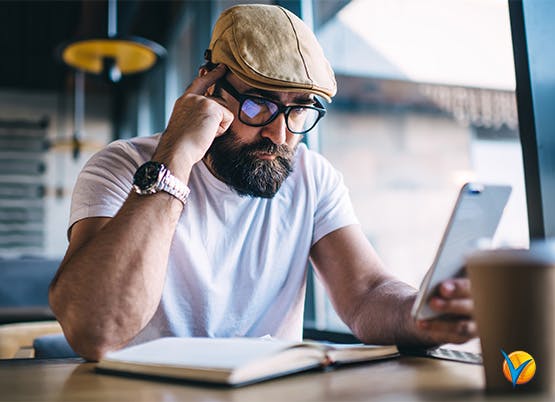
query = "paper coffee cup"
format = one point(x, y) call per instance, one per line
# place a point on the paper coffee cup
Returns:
point(514, 297)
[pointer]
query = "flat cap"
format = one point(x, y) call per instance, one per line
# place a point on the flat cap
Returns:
point(270, 48)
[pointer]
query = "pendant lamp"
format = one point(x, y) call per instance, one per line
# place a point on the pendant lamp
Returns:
point(112, 56)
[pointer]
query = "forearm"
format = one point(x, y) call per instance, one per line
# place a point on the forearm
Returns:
point(377, 306)
point(102, 307)
point(383, 315)
point(107, 290)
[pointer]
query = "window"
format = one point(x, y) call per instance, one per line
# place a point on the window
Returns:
point(426, 102)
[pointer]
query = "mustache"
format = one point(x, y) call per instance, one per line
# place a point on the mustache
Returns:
point(267, 146)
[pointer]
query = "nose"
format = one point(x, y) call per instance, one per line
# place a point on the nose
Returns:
point(276, 131)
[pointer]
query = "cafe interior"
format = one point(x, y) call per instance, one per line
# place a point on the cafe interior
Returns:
point(430, 96)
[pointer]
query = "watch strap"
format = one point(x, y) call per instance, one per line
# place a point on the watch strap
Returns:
point(172, 185)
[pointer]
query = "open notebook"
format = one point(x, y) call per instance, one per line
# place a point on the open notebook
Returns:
point(234, 361)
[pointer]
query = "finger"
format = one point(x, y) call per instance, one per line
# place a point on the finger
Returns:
point(201, 84)
point(443, 331)
point(455, 288)
point(225, 122)
point(452, 306)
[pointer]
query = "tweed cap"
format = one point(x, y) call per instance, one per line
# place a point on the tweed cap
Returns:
point(270, 48)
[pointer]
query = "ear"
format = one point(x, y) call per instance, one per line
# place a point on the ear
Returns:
point(202, 71)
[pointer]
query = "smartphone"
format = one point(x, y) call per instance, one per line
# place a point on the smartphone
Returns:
point(473, 223)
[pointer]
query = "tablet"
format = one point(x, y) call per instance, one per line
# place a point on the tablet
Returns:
point(474, 220)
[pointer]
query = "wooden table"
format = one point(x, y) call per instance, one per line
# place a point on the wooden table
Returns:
point(396, 380)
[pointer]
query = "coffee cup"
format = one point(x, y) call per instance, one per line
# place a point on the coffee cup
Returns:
point(514, 301)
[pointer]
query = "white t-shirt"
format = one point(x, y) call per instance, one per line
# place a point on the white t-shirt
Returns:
point(237, 265)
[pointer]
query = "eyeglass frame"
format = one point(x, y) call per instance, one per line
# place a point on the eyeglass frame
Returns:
point(241, 98)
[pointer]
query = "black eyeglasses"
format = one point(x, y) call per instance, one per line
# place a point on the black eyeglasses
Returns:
point(256, 111)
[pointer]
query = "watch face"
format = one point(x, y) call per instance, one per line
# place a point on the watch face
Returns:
point(147, 175)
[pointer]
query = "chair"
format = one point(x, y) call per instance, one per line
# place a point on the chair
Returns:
point(24, 301)
point(16, 340)
point(53, 346)
point(24, 289)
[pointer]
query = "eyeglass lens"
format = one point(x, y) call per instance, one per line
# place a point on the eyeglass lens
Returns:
point(261, 111)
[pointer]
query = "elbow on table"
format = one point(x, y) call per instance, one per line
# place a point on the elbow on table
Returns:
point(363, 336)
point(90, 346)
point(89, 340)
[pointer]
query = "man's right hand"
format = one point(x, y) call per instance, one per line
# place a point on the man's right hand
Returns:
point(195, 121)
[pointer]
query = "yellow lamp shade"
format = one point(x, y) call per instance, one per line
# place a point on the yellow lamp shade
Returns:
point(130, 55)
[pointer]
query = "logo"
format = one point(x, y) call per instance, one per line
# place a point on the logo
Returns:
point(519, 367)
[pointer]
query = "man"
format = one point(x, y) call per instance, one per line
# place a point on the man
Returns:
point(228, 207)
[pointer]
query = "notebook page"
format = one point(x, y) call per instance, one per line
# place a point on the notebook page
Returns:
point(218, 353)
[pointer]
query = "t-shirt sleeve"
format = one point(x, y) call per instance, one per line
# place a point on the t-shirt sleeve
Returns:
point(334, 209)
point(104, 183)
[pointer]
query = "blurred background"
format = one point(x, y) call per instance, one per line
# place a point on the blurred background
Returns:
point(425, 103)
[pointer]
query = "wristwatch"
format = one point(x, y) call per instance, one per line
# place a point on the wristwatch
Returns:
point(153, 177)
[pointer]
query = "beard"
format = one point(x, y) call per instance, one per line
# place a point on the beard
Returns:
point(238, 165)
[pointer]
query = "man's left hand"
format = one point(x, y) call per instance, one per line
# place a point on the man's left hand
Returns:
point(456, 307)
